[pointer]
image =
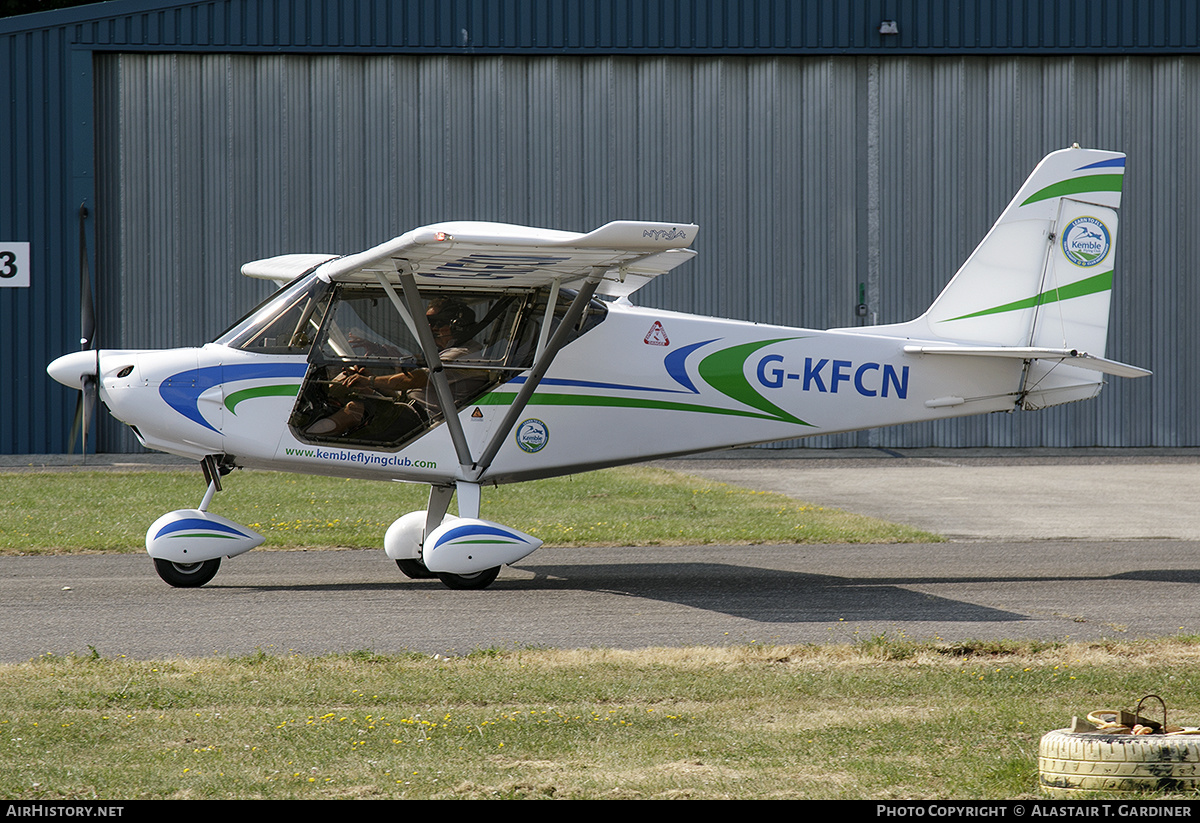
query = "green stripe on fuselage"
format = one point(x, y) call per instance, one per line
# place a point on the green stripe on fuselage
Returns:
point(559, 399)
point(277, 390)
point(725, 371)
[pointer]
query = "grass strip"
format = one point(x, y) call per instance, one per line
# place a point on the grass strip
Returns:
point(76, 512)
point(881, 719)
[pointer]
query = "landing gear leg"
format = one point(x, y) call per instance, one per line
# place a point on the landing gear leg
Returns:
point(187, 545)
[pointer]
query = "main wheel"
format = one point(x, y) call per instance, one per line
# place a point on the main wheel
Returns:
point(415, 569)
point(187, 575)
point(478, 580)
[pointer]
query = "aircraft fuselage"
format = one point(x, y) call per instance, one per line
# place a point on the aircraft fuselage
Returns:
point(640, 385)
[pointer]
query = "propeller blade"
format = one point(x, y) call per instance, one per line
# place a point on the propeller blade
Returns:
point(79, 370)
point(84, 406)
point(87, 339)
point(87, 308)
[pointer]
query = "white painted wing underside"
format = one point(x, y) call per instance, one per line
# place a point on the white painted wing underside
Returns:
point(499, 255)
point(284, 268)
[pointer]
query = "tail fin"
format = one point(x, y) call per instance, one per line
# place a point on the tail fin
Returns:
point(1045, 269)
point(1042, 277)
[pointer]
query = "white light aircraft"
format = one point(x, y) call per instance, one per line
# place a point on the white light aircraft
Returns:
point(463, 355)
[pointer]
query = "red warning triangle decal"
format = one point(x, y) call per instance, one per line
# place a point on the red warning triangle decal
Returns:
point(657, 336)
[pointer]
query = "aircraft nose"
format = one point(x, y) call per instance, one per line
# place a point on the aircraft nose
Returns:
point(70, 369)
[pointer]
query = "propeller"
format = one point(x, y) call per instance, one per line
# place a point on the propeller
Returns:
point(87, 341)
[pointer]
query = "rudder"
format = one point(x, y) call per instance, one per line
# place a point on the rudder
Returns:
point(1043, 275)
point(1036, 260)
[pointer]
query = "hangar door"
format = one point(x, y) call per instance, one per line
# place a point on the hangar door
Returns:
point(207, 161)
point(818, 182)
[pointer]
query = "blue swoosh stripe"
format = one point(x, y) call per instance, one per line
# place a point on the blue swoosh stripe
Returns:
point(677, 366)
point(197, 523)
point(1111, 163)
point(472, 531)
point(182, 391)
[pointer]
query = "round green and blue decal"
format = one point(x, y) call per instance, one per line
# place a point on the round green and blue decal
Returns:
point(1086, 241)
point(532, 435)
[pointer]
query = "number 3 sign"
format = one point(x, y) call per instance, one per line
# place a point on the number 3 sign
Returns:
point(14, 264)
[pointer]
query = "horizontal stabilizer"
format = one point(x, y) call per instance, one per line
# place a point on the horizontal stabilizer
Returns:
point(1071, 357)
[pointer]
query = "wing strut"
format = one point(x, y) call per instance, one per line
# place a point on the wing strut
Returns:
point(401, 309)
point(437, 371)
point(557, 341)
point(544, 334)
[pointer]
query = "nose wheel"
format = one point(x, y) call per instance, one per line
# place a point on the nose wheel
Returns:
point(187, 544)
point(416, 570)
point(186, 575)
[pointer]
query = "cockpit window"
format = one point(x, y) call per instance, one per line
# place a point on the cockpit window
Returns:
point(365, 326)
point(287, 323)
point(368, 384)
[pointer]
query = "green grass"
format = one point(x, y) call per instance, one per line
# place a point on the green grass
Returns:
point(883, 719)
point(110, 511)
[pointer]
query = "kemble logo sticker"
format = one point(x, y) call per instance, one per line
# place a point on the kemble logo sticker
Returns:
point(1085, 241)
point(532, 435)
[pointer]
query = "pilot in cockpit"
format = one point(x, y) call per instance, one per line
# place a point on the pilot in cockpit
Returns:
point(452, 323)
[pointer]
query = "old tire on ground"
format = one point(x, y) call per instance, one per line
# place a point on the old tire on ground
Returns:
point(1070, 763)
point(187, 575)
point(478, 580)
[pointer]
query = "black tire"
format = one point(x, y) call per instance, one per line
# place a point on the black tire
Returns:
point(415, 570)
point(1070, 762)
point(479, 580)
point(187, 575)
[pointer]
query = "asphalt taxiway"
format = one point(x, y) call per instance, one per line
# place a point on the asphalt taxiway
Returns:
point(1076, 545)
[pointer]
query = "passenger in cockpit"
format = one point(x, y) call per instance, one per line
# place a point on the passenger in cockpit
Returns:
point(451, 321)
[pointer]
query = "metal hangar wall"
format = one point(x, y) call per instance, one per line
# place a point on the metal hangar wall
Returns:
point(823, 158)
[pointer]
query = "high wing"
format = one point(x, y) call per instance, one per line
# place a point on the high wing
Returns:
point(499, 255)
point(285, 268)
point(614, 260)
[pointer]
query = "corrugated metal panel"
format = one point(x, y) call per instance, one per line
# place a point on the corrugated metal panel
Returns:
point(995, 119)
point(813, 174)
point(808, 176)
point(39, 201)
point(614, 26)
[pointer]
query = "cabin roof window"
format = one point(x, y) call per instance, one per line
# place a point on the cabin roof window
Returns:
point(287, 322)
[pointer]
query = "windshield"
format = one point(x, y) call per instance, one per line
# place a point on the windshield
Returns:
point(368, 384)
point(287, 322)
point(365, 326)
